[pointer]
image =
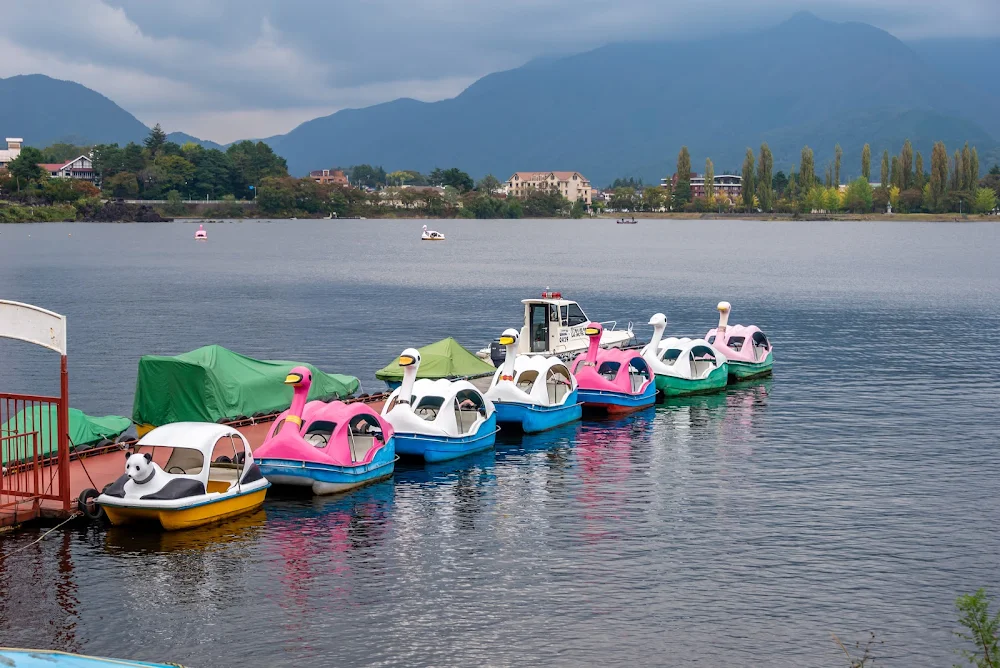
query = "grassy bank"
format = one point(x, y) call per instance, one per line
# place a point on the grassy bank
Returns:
point(19, 213)
point(912, 217)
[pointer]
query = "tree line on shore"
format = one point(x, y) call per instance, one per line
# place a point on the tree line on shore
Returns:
point(950, 185)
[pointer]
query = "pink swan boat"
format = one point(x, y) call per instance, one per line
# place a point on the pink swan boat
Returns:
point(201, 234)
point(610, 379)
point(329, 447)
point(747, 349)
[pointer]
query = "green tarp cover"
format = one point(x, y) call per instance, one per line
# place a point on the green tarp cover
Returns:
point(212, 383)
point(444, 359)
point(83, 430)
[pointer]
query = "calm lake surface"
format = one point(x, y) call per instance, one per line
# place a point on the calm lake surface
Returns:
point(858, 490)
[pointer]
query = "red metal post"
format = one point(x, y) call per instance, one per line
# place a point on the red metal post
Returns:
point(63, 443)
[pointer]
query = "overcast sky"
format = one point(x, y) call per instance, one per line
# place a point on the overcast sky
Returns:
point(230, 69)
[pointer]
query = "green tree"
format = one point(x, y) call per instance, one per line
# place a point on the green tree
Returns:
point(63, 152)
point(807, 177)
point(709, 179)
point(918, 176)
point(838, 154)
point(24, 168)
point(251, 164)
point(779, 183)
point(747, 182)
point(973, 168)
point(122, 184)
point(579, 209)
point(653, 198)
point(967, 181)
point(765, 187)
point(175, 203)
point(682, 191)
point(213, 174)
point(885, 169)
point(895, 174)
point(829, 176)
point(957, 172)
point(986, 200)
point(276, 195)
point(490, 185)
point(906, 165)
point(172, 172)
point(457, 179)
point(894, 197)
point(939, 176)
point(858, 197)
point(155, 141)
point(982, 630)
point(866, 162)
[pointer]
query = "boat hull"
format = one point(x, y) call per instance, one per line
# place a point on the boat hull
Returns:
point(443, 448)
point(325, 479)
point(173, 519)
point(615, 403)
point(42, 658)
point(672, 386)
point(533, 419)
point(746, 370)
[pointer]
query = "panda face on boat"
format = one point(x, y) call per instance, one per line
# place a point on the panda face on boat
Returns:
point(139, 466)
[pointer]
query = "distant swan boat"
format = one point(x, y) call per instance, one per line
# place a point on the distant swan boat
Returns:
point(431, 235)
point(201, 234)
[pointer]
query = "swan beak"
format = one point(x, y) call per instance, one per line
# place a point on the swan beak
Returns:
point(592, 331)
point(406, 360)
point(506, 340)
point(293, 379)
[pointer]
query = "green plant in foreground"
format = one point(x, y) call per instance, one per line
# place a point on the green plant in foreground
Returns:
point(974, 615)
point(866, 659)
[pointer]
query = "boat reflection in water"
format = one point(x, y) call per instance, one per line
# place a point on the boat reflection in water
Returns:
point(736, 411)
point(202, 540)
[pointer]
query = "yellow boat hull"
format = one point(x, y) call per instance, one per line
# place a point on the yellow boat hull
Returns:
point(187, 518)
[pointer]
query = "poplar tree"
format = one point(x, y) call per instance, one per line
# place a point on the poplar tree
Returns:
point(682, 193)
point(866, 162)
point(838, 153)
point(709, 179)
point(906, 163)
point(895, 178)
point(807, 175)
point(957, 172)
point(765, 188)
point(885, 169)
point(939, 174)
point(829, 176)
point(748, 178)
point(918, 177)
point(967, 182)
point(974, 169)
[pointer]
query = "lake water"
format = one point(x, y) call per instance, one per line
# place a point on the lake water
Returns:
point(858, 490)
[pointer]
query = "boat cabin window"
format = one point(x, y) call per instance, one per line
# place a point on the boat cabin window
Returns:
point(711, 339)
point(395, 402)
point(609, 369)
point(362, 433)
point(575, 316)
point(553, 313)
point(557, 382)
point(469, 406)
point(184, 461)
point(319, 432)
point(563, 317)
point(428, 408)
point(670, 355)
point(226, 468)
point(526, 379)
point(736, 343)
point(759, 340)
point(538, 327)
point(638, 373)
point(703, 361)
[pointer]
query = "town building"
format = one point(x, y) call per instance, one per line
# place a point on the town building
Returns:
point(12, 151)
point(79, 168)
point(571, 185)
point(334, 176)
point(730, 185)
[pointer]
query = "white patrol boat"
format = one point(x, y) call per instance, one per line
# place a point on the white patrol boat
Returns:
point(554, 326)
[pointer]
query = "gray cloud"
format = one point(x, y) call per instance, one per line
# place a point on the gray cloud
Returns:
point(224, 69)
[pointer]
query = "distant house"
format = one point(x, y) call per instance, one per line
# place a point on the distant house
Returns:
point(334, 176)
point(79, 168)
point(571, 185)
point(724, 184)
point(12, 151)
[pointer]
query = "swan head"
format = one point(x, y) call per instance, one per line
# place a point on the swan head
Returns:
point(658, 319)
point(724, 307)
point(300, 376)
point(593, 329)
point(409, 357)
point(509, 337)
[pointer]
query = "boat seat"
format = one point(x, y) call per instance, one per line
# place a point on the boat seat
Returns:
point(465, 419)
point(360, 444)
point(557, 391)
point(701, 368)
point(427, 413)
point(759, 352)
point(638, 380)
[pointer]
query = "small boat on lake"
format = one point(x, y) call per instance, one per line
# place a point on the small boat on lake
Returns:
point(684, 366)
point(201, 234)
point(326, 447)
point(431, 235)
point(45, 658)
point(208, 475)
point(554, 326)
point(747, 348)
point(438, 419)
point(623, 221)
point(533, 392)
point(612, 380)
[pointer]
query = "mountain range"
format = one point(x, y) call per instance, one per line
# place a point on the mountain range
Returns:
point(625, 109)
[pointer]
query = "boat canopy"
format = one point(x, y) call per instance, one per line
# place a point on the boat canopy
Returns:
point(84, 430)
point(212, 384)
point(444, 359)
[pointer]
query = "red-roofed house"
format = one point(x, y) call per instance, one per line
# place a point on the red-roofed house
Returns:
point(80, 168)
point(571, 185)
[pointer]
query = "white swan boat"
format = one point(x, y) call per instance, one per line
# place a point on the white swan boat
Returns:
point(554, 326)
point(683, 366)
point(438, 419)
point(533, 392)
point(431, 235)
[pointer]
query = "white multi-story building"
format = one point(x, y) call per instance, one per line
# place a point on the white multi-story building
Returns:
point(78, 168)
point(571, 185)
point(12, 151)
